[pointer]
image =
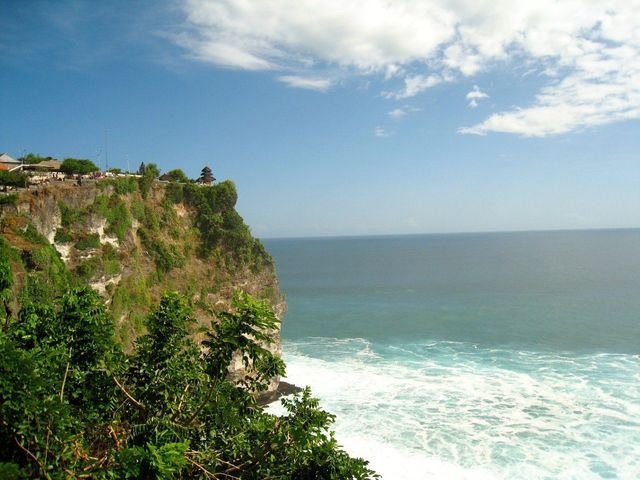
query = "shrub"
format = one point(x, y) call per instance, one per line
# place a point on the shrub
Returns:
point(70, 215)
point(8, 199)
point(13, 179)
point(32, 235)
point(62, 236)
point(88, 241)
point(125, 185)
point(115, 211)
point(174, 193)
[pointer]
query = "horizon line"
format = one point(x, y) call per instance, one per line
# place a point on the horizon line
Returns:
point(478, 232)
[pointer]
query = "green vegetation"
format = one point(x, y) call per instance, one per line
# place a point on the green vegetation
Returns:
point(221, 227)
point(176, 175)
point(69, 215)
point(149, 173)
point(32, 235)
point(91, 392)
point(88, 241)
point(6, 282)
point(76, 406)
point(8, 199)
point(165, 257)
point(13, 179)
point(78, 166)
point(121, 186)
point(32, 158)
point(63, 236)
point(106, 263)
point(115, 211)
point(46, 277)
point(174, 193)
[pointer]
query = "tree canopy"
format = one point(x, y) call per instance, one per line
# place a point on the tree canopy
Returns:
point(78, 166)
point(13, 179)
point(176, 175)
point(32, 158)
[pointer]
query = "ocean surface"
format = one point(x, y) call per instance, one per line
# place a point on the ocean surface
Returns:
point(472, 356)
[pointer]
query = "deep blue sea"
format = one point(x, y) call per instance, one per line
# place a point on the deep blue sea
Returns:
point(472, 356)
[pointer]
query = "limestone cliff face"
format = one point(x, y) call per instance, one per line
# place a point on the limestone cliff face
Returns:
point(133, 246)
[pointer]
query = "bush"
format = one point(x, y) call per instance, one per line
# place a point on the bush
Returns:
point(62, 236)
point(32, 235)
point(8, 199)
point(137, 210)
point(165, 257)
point(115, 211)
point(13, 179)
point(70, 215)
point(125, 185)
point(88, 241)
point(174, 193)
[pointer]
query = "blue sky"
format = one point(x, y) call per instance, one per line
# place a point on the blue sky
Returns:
point(335, 118)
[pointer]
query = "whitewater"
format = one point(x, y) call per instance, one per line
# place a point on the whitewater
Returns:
point(499, 356)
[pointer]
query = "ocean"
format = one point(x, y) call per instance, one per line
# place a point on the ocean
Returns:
point(472, 356)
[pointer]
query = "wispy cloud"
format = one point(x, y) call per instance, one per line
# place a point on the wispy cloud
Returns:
point(380, 132)
point(319, 84)
point(588, 51)
point(401, 112)
point(474, 95)
point(397, 113)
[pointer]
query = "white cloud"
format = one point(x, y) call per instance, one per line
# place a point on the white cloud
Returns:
point(591, 47)
point(320, 84)
point(380, 132)
point(401, 112)
point(474, 95)
point(397, 113)
point(415, 84)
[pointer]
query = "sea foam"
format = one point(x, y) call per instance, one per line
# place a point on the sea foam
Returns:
point(457, 411)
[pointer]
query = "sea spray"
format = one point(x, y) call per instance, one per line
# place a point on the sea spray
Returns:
point(454, 410)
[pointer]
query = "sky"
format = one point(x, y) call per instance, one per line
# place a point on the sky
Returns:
point(345, 117)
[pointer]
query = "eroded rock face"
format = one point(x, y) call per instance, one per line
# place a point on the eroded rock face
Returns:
point(116, 259)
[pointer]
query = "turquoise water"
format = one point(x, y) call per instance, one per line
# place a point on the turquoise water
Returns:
point(510, 355)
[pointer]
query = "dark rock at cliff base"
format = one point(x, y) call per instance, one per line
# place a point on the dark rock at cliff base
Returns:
point(283, 390)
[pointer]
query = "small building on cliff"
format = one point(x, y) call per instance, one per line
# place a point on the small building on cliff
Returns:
point(7, 162)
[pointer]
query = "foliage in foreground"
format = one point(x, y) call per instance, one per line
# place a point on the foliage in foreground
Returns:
point(73, 405)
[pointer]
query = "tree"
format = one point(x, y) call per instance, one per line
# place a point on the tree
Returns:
point(176, 175)
point(32, 158)
point(75, 406)
point(206, 176)
point(78, 166)
point(13, 179)
point(151, 172)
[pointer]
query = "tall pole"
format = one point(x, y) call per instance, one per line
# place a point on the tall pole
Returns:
point(106, 151)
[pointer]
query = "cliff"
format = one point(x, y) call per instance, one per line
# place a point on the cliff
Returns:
point(133, 241)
